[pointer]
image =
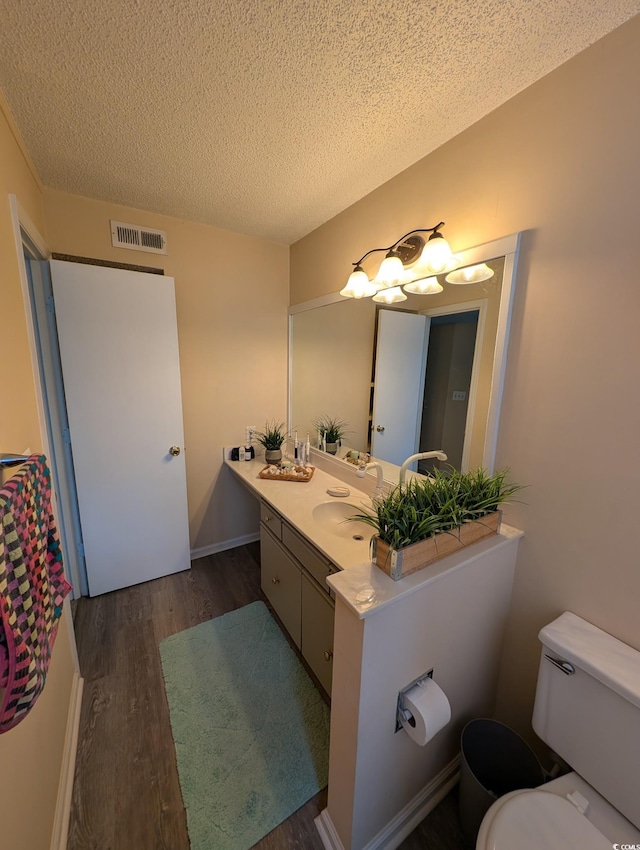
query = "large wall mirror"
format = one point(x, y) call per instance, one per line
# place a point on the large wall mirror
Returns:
point(422, 375)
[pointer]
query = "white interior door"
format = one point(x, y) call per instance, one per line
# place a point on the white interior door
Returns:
point(401, 357)
point(119, 354)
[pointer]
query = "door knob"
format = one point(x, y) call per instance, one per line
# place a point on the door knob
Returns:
point(174, 450)
point(380, 428)
point(328, 654)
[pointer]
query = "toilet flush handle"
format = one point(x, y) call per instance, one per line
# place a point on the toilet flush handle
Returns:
point(565, 666)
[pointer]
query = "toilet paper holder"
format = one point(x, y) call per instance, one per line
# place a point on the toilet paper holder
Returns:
point(403, 715)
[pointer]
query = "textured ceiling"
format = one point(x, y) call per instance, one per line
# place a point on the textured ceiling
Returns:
point(267, 117)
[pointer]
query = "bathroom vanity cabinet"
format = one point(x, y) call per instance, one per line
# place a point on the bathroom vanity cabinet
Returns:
point(293, 578)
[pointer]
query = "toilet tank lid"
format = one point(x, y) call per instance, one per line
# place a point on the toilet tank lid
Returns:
point(604, 657)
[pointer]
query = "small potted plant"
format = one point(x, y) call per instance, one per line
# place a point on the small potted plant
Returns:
point(331, 431)
point(272, 439)
point(426, 519)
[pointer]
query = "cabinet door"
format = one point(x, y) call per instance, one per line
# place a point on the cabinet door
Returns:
point(312, 560)
point(281, 583)
point(317, 631)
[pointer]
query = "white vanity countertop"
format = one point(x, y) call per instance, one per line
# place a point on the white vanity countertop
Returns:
point(360, 584)
point(295, 501)
point(365, 588)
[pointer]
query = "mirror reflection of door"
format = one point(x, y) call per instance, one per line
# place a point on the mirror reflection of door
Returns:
point(450, 355)
point(398, 384)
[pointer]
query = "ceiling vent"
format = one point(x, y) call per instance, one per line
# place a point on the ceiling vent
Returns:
point(138, 238)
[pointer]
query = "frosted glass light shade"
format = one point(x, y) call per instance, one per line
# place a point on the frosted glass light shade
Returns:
point(426, 286)
point(391, 272)
point(436, 258)
point(390, 295)
point(471, 274)
point(359, 286)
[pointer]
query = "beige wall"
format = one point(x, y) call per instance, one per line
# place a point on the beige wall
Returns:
point(231, 296)
point(30, 754)
point(559, 162)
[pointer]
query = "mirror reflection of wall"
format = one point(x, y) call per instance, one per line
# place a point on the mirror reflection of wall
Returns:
point(333, 368)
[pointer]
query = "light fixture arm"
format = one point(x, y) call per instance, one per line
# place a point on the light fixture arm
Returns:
point(432, 230)
point(372, 251)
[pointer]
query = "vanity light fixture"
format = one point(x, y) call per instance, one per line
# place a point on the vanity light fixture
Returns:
point(409, 259)
point(470, 274)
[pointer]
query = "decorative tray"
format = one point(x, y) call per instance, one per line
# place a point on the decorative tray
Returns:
point(290, 473)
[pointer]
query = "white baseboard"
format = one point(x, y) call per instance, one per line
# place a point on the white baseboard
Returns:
point(234, 542)
point(60, 829)
point(394, 833)
point(327, 831)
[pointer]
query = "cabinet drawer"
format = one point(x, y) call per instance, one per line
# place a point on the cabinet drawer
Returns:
point(317, 631)
point(280, 578)
point(311, 559)
point(271, 519)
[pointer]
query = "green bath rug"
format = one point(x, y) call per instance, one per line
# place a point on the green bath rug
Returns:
point(251, 731)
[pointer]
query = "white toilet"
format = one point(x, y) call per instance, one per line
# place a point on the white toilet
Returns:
point(587, 709)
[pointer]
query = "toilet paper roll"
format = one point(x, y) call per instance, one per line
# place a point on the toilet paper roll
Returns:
point(430, 711)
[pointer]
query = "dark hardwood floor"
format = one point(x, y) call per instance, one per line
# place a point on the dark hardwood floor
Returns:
point(126, 793)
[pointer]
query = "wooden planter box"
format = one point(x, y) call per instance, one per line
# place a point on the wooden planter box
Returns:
point(399, 563)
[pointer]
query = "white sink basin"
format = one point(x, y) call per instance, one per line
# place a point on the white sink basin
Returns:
point(334, 517)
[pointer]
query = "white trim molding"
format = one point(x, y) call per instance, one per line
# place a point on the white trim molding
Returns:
point(22, 223)
point(213, 548)
point(60, 831)
point(327, 831)
point(405, 821)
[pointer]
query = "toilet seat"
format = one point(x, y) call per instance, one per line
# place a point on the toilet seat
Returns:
point(531, 819)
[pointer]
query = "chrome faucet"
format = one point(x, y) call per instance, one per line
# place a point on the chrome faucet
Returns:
point(362, 471)
point(420, 456)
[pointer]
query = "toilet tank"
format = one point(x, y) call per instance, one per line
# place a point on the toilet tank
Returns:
point(591, 716)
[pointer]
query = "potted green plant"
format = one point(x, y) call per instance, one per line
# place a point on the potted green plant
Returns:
point(426, 519)
point(332, 431)
point(272, 439)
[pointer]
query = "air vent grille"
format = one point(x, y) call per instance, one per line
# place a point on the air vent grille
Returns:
point(138, 238)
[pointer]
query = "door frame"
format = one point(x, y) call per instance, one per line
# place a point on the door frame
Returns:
point(480, 306)
point(25, 233)
point(27, 237)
